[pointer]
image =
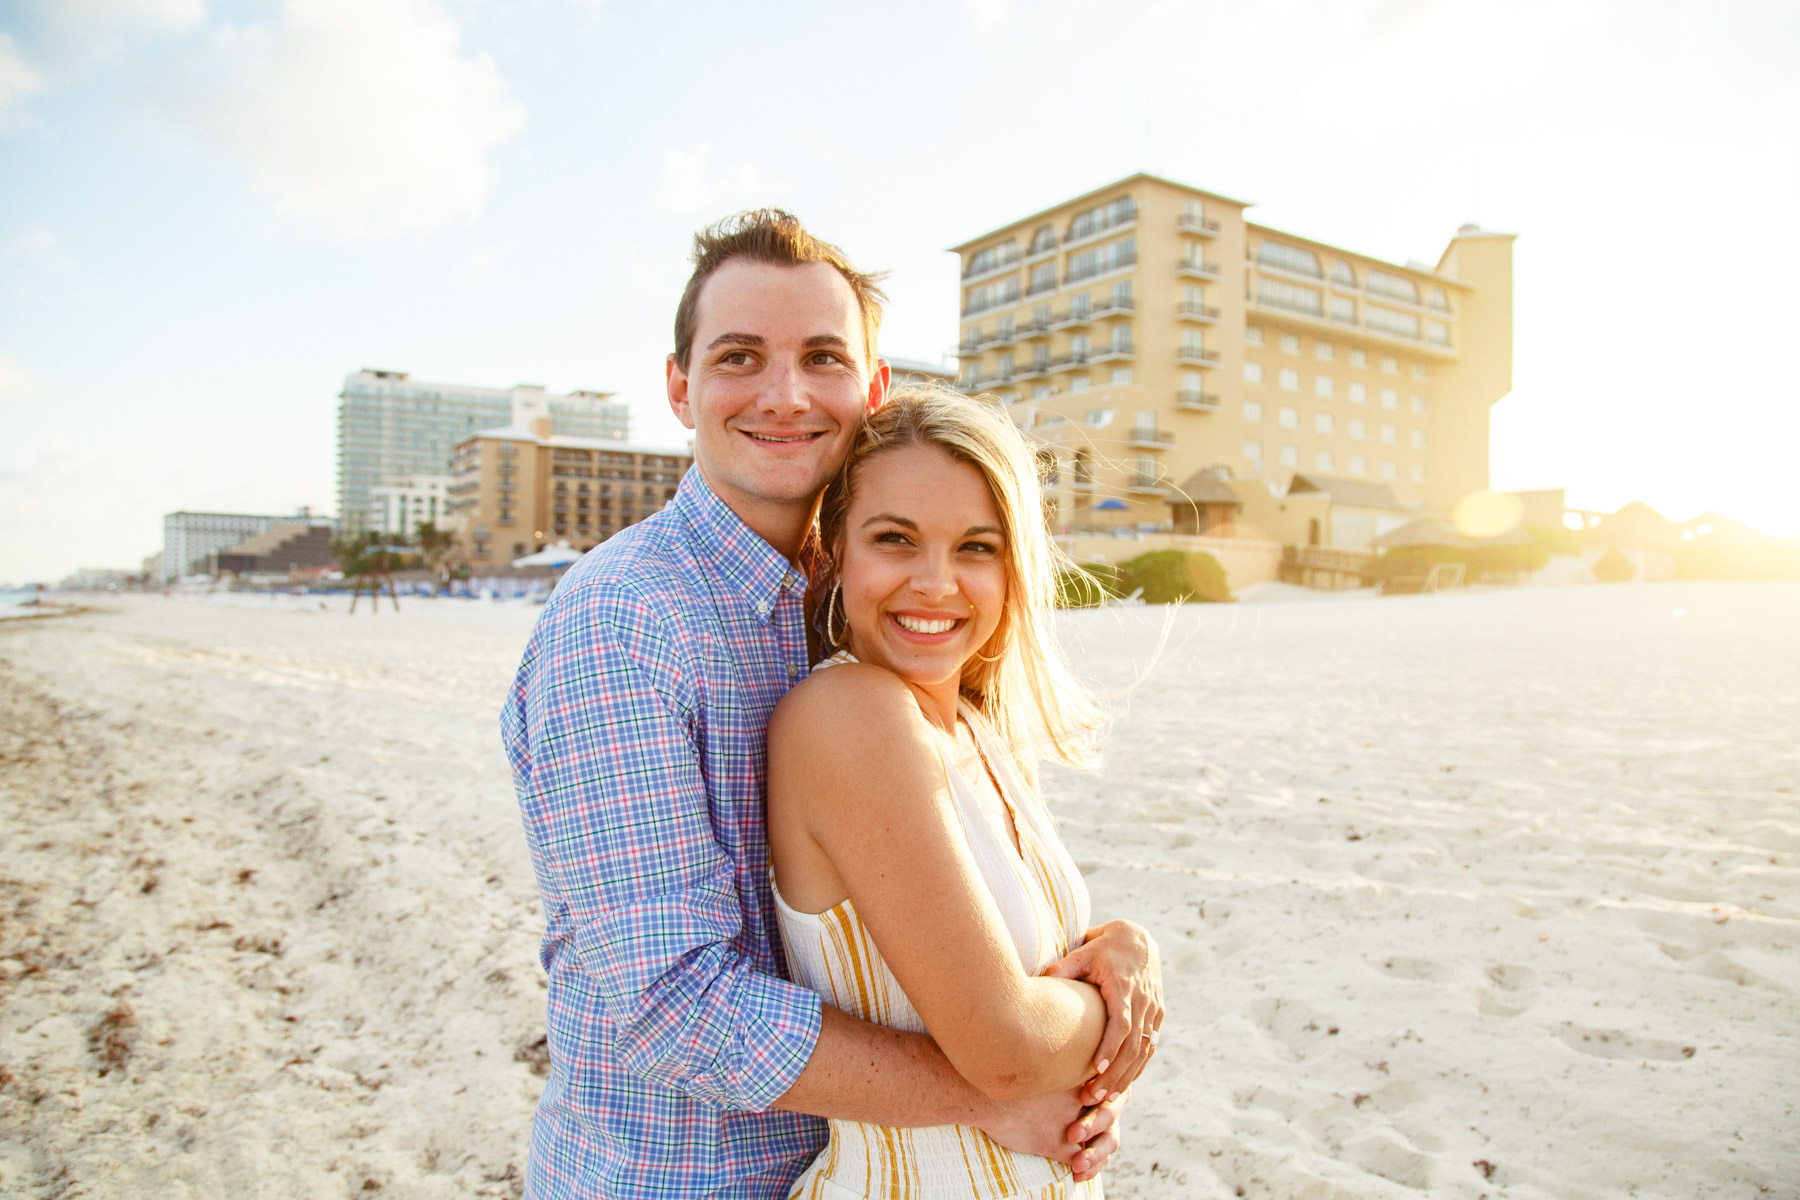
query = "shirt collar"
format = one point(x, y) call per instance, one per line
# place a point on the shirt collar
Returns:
point(738, 556)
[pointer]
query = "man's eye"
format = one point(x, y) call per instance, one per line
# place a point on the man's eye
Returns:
point(737, 358)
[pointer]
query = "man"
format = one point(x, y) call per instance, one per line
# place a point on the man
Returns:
point(682, 1060)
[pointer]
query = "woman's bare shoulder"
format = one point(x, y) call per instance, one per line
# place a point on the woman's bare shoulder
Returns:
point(847, 711)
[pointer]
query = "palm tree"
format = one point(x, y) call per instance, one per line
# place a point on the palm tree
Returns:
point(435, 545)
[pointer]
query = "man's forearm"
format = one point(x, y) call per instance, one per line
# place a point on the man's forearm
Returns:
point(865, 1072)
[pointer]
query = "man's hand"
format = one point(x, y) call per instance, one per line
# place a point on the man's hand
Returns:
point(1121, 959)
point(1096, 1133)
point(1040, 1125)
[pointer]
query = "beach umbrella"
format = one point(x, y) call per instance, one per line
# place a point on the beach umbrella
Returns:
point(561, 554)
point(1111, 504)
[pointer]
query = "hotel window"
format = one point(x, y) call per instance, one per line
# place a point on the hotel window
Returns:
point(1359, 358)
point(1322, 423)
point(1007, 329)
point(1421, 371)
point(1121, 376)
point(1252, 410)
point(1322, 460)
point(1390, 365)
point(1324, 351)
point(1437, 333)
point(1290, 344)
point(1290, 418)
point(1043, 240)
point(1121, 338)
point(1253, 335)
point(1116, 212)
point(1388, 321)
point(1418, 439)
point(971, 337)
point(1343, 310)
point(1290, 456)
point(1278, 293)
point(1192, 383)
point(1419, 406)
point(1252, 372)
point(1359, 429)
point(1390, 436)
point(1381, 283)
point(1322, 385)
point(992, 295)
point(1359, 393)
point(1041, 392)
point(1099, 418)
point(1389, 470)
point(1006, 366)
point(1435, 298)
point(1193, 296)
point(1193, 343)
point(1289, 258)
point(1390, 398)
point(1078, 306)
point(1121, 294)
point(1078, 384)
point(1079, 347)
point(1043, 279)
point(1253, 452)
point(1358, 465)
point(1418, 474)
point(1290, 381)
point(1342, 272)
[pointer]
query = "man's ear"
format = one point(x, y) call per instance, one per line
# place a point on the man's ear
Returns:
point(879, 381)
point(677, 382)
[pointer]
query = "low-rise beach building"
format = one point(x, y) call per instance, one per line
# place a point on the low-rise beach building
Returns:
point(192, 541)
point(515, 490)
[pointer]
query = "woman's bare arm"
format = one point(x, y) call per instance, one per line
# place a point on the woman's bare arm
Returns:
point(859, 806)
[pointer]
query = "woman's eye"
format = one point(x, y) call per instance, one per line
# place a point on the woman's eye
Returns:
point(980, 548)
point(891, 538)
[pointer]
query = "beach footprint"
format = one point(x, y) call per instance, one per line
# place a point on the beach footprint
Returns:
point(1514, 989)
point(1297, 1027)
point(1616, 1043)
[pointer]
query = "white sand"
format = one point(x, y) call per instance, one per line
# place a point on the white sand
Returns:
point(1490, 894)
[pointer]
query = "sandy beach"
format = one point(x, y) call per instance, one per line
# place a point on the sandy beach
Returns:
point(1493, 894)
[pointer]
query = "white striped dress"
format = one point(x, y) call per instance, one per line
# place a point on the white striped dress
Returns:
point(1044, 903)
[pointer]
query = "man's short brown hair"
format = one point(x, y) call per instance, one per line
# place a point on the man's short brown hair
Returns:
point(770, 235)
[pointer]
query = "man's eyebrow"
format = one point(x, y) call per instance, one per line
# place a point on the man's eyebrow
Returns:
point(826, 339)
point(736, 339)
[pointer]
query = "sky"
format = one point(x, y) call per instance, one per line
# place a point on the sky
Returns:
point(212, 211)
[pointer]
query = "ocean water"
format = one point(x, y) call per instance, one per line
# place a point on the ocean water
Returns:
point(17, 603)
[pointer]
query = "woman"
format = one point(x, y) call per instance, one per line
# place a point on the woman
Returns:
point(919, 881)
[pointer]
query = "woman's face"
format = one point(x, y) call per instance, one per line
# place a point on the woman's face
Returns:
point(923, 565)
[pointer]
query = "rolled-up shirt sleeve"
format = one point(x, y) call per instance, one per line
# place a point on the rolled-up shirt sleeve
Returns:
point(606, 730)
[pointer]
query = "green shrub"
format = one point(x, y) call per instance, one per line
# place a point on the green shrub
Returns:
point(1614, 567)
point(1208, 578)
point(1161, 576)
point(1087, 585)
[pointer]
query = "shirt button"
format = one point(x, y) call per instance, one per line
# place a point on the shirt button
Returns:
point(762, 608)
point(792, 671)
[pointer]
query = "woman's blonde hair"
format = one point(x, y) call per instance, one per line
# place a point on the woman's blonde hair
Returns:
point(1019, 681)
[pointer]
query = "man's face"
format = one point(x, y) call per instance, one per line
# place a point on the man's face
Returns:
point(775, 388)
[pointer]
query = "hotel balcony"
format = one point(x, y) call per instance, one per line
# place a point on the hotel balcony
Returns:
point(1204, 226)
point(972, 275)
point(1106, 354)
point(1151, 439)
point(1146, 485)
point(1033, 329)
point(1205, 314)
point(1190, 356)
point(1198, 402)
point(1068, 362)
point(1194, 268)
point(1113, 305)
point(1081, 485)
point(1033, 370)
point(1070, 319)
point(1000, 337)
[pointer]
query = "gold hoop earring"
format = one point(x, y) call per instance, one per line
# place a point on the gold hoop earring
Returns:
point(980, 657)
point(833, 639)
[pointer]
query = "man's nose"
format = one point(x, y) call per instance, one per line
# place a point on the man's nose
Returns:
point(784, 391)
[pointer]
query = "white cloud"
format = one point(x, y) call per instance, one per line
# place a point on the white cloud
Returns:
point(361, 118)
point(689, 184)
point(18, 80)
point(38, 245)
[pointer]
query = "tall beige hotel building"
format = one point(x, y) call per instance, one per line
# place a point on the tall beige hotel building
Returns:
point(1147, 332)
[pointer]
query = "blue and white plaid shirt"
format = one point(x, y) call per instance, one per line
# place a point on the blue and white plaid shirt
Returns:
point(636, 731)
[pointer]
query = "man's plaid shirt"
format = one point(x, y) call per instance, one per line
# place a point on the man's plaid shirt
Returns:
point(635, 728)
